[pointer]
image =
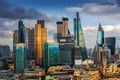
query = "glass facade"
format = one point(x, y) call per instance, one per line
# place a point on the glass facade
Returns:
point(21, 32)
point(111, 43)
point(20, 57)
point(100, 36)
point(4, 51)
point(30, 43)
point(65, 48)
point(79, 37)
point(40, 37)
point(51, 54)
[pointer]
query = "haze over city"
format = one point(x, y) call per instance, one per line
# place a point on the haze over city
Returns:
point(92, 12)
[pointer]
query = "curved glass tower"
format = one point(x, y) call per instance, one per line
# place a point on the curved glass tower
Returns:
point(100, 36)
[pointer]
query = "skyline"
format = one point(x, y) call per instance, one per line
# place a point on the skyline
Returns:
point(91, 13)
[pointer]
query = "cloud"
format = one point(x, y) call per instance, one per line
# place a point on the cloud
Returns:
point(74, 9)
point(105, 11)
point(12, 11)
point(117, 2)
point(90, 33)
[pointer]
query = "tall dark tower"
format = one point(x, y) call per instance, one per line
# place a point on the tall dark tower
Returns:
point(21, 32)
point(79, 37)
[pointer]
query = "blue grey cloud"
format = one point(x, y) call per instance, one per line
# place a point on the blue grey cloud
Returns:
point(12, 11)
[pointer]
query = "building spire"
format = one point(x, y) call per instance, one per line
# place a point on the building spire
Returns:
point(100, 27)
point(77, 14)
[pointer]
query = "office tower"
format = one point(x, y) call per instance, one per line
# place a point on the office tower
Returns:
point(104, 62)
point(3, 64)
point(40, 37)
point(26, 37)
point(66, 45)
point(20, 58)
point(4, 51)
point(117, 54)
point(107, 52)
point(15, 39)
point(65, 26)
point(79, 37)
point(111, 43)
point(100, 36)
point(30, 43)
point(21, 32)
point(51, 54)
point(99, 44)
point(62, 27)
point(95, 54)
point(99, 55)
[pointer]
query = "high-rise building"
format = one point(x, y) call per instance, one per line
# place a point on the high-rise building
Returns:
point(30, 43)
point(107, 52)
point(66, 42)
point(111, 43)
point(66, 45)
point(40, 37)
point(15, 39)
point(100, 53)
point(79, 37)
point(51, 54)
point(20, 57)
point(21, 32)
point(99, 49)
point(65, 26)
point(4, 51)
point(62, 27)
point(100, 36)
point(3, 64)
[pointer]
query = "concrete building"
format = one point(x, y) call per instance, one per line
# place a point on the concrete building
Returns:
point(34, 74)
point(62, 27)
point(15, 39)
point(5, 74)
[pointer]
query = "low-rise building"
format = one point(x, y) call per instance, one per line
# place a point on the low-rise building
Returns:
point(31, 73)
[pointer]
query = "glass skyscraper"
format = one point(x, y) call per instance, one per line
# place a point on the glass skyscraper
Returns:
point(100, 36)
point(79, 37)
point(66, 45)
point(40, 37)
point(51, 54)
point(20, 58)
point(21, 32)
point(111, 43)
point(4, 51)
point(30, 43)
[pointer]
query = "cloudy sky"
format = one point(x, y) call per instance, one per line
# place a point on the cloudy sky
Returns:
point(92, 12)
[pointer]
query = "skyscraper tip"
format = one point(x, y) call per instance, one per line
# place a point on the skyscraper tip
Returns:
point(100, 27)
